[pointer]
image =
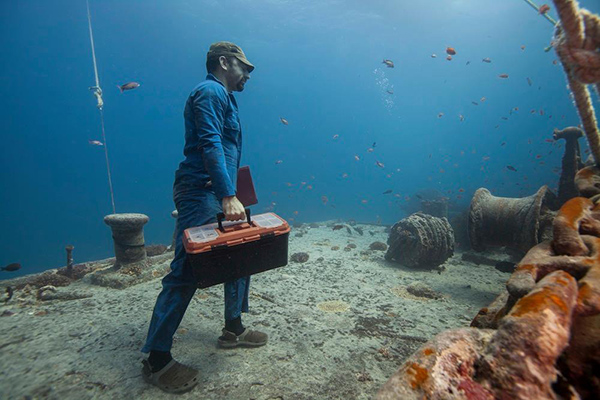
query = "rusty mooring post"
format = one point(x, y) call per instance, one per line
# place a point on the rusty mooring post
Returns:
point(128, 237)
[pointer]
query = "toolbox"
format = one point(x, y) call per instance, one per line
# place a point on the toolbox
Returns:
point(228, 250)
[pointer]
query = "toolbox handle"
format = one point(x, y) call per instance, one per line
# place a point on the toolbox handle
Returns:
point(221, 216)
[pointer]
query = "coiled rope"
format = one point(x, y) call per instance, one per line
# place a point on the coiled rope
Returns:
point(577, 44)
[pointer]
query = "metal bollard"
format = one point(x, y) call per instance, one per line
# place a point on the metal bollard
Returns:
point(128, 237)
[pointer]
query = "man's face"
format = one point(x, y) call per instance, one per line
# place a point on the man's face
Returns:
point(236, 74)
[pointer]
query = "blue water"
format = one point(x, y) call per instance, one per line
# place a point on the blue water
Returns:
point(318, 64)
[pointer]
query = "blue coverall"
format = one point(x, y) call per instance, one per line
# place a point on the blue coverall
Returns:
point(213, 148)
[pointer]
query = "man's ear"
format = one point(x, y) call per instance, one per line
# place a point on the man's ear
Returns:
point(224, 63)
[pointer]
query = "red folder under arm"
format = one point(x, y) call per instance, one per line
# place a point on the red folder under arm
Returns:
point(245, 187)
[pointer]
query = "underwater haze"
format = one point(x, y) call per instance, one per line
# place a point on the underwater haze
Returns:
point(357, 128)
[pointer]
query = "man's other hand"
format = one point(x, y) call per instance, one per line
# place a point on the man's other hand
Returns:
point(233, 209)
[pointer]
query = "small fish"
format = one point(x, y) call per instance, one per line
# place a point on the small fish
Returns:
point(324, 199)
point(503, 76)
point(549, 140)
point(419, 196)
point(284, 121)
point(344, 175)
point(555, 62)
point(335, 136)
point(482, 99)
point(468, 62)
point(461, 190)
point(449, 58)
point(11, 267)
point(374, 144)
point(486, 60)
point(502, 144)
point(387, 191)
point(475, 103)
point(461, 117)
point(485, 158)
point(390, 91)
point(434, 55)
point(96, 142)
point(523, 48)
point(504, 118)
point(544, 8)
point(295, 212)
point(541, 112)
point(364, 201)
point(529, 82)
point(388, 63)
point(370, 150)
point(440, 115)
point(450, 51)
point(357, 158)
point(338, 227)
point(128, 86)
point(278, 161)
point(379, 164)
point(537, 157)
point(510, 167)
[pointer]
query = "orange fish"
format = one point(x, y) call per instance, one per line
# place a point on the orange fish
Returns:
point(503, 76)
point(295, 212)
point(544, 8)
point(450, 51)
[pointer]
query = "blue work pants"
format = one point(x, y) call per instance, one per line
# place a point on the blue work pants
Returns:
point(194, 209)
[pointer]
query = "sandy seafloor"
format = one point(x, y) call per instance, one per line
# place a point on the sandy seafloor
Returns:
point(90, 348)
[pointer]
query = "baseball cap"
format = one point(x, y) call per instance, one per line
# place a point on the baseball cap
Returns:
point(228, 49)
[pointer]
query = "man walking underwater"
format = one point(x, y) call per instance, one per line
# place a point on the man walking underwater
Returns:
point(204, 185)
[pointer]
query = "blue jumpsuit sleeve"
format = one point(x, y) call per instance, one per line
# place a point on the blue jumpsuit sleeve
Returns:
point(210, 106)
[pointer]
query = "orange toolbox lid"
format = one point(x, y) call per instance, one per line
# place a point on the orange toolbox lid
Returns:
point(201, 239)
